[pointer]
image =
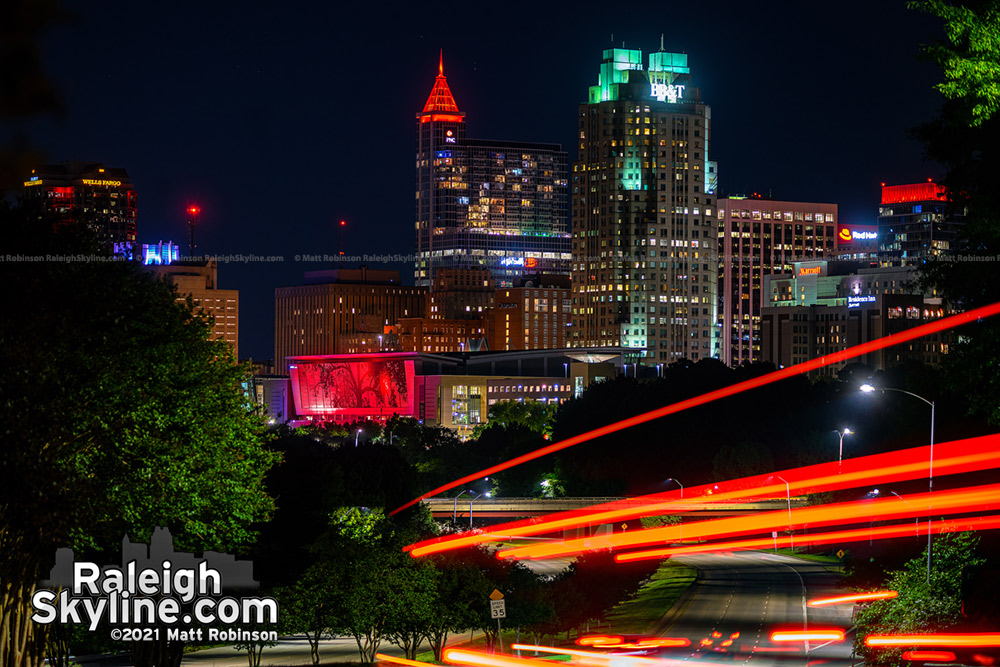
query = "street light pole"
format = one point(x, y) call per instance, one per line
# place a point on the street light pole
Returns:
point(788, 499)
point(471, 500)
point(454, 511)
point(840, 455)
point(867, 388)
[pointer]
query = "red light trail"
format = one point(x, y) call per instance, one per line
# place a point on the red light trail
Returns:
point(951, 458)
point(600, 640)
point(975, 639)
point(832, 635)
point(858, 597)
point(791, 371)
point(855, 535)
point(402, 661)
point(981, 498)
point(934, 656)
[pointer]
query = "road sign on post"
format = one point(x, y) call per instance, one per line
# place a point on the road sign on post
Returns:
point(498, 609)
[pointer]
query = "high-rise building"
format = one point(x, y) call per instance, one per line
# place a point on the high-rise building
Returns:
point(914, 225)
point(645, 265)
point(498, 205)
point(87, 193)
point(325, 315)
point(821, 308)
point(857, 243)
point(535, 315)
point(759, 237)
point(199, 279)
point(460, 294)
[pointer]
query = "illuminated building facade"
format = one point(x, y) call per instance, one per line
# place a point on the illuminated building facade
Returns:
point(824, 307)
point(534, 316)
point(87, 193)
point(324, 315)
point(460, 294)
point(450, 390)
point(914, 225)
point(160, 253)
point(200, 281)
point(858, 243)
point(424, 334)
point(496, 205)
point(645, 268)
point(759, 237)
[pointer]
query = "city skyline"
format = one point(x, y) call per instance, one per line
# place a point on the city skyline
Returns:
point(246, 120)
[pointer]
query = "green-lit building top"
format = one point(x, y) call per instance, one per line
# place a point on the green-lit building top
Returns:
point(621, 67)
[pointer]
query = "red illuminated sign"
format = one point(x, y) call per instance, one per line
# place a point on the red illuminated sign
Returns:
point(530, 262)
point(845, 235)
point(810, 270)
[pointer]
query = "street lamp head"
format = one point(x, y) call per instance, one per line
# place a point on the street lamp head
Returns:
point(848, 431)
point(867, 388)
point(488, 494)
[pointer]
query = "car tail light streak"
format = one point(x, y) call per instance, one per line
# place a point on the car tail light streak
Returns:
point(853, 599)
point(950, 458)
point(791, 371)
point(976, 639)
point(941, 502)
point(828, 635)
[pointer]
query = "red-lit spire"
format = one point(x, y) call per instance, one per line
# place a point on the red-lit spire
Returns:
point(441, 99)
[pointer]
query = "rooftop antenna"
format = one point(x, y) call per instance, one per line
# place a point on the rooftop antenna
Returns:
point(661, 41)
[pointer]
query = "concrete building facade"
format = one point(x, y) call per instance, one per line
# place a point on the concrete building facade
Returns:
point(645, 264)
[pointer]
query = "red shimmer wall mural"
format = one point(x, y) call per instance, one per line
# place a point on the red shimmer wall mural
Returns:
point(363, 388)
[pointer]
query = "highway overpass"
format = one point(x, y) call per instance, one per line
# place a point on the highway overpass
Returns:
point(507, 508)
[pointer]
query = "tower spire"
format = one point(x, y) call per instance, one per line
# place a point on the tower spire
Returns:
point(441, 99)
point(661, 41)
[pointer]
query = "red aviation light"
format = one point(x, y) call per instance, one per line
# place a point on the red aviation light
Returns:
point(929, 656)
point(826, 634)
point(732, 390)
point(193, 210)
point(858, 597)
point(974, 639)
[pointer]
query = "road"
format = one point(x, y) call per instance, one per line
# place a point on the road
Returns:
point(752, 594)
point(747, 593)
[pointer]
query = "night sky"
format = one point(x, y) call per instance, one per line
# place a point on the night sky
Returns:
point(282, 120)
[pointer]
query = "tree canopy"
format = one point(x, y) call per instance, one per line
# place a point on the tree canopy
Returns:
point(120, 416)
